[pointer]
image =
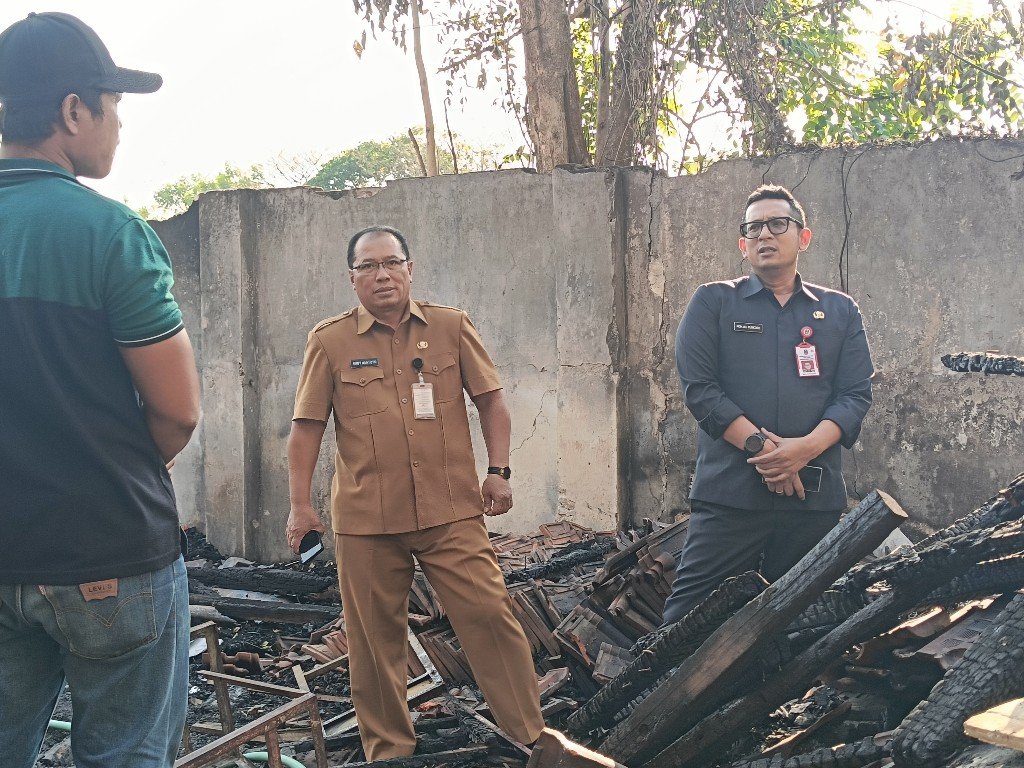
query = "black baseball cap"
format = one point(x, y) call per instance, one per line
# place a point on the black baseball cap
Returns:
point(47, 55)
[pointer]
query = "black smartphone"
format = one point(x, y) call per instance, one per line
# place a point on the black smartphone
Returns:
point(810, 477)
point(310, 546)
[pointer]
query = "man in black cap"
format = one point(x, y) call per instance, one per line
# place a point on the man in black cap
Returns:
point(98, 393)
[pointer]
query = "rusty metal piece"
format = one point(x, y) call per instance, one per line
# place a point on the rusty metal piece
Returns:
point(265, 726)
point(554, 750)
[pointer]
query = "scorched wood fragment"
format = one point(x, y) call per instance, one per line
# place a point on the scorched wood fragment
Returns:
point(849, 594)
point(935, 565)
point(968, 362)
point(865, 752)
point(658, 653)
point(698, 685)
point(275, 581)
point(991, 671)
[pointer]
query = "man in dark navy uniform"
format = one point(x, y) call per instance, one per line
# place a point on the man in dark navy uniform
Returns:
point(778, 375)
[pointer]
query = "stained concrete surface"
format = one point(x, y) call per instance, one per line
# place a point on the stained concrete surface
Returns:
point(577, 281)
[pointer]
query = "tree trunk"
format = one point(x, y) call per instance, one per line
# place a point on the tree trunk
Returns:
point(630, 109)
point(553, 116)
point(428, 112)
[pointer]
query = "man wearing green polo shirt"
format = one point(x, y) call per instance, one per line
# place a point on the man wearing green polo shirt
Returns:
point(98, 392)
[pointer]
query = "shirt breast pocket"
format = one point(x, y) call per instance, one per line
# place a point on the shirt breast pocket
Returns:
point(442, 371)
point(362, 392)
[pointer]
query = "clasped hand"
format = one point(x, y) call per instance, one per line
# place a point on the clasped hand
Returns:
point(780, 467)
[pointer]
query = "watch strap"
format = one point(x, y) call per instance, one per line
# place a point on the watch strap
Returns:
point(505, 472)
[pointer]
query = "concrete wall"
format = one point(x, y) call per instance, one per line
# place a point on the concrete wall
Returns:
point(576, 281)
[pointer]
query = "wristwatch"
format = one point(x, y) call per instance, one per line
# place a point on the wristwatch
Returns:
point(753, 444)
point(505, 472)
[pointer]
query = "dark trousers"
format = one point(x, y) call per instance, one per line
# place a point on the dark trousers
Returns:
point(724, 541)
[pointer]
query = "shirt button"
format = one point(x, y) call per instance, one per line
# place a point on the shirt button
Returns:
point(396, 341)
point(415, 463)
point(435, 369)
point(411, 432)
point(362, 381)
point(398, 371)
point(405, 399)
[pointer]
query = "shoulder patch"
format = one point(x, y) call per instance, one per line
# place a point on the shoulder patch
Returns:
point(433, 305)
point(331, 320)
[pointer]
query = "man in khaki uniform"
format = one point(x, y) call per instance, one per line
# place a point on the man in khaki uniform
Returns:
point(405, 486)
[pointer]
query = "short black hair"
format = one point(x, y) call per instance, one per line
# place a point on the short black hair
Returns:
point(31, 121)
point(376, 229)
point(776, 192)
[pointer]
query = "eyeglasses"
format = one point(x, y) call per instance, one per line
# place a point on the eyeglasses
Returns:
point(776, 226)
point(368, 268)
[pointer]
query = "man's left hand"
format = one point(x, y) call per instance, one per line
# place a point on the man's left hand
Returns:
point(497, 495)
point(789, 457)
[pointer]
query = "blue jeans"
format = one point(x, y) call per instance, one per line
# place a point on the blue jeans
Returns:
point(125, 659)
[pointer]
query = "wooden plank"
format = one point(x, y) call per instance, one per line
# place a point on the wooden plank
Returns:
point(254, 685)
point(228, 743)
point(554, 750)
point(1002, 725)
point(326, 667)
point(699, 684)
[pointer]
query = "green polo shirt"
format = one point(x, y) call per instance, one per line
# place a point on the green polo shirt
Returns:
point(84, 494)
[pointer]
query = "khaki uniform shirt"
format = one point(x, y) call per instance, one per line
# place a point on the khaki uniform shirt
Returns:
point(394, 473)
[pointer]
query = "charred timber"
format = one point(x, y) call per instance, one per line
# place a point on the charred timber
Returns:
point(990, 672)
point(657, 653)
point(276, 581)
point(990, 578)
point(1006, 506)
point(702, 683)
point(568, 558)
point(976, 362)
point(863, 753)
point(281, 613)
point(936, 565)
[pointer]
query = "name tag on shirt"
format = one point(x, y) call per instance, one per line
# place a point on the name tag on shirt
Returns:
point(365, 363)
point(807, 360)
point(423, 401)
point(748, 327)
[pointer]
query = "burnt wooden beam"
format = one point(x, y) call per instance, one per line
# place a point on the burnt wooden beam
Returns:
point(280, 613)
point(984, 362)
point(697, 686)
point(705, 741)
point(990, 672)
point(849, 594)
point(276, 581)
point(657, 653)
point(568, 558)
point(859, 755)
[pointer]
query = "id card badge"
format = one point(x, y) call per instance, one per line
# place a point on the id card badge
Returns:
point(423, 401)
point(807, 360)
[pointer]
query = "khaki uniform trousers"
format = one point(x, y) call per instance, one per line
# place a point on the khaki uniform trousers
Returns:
point(375, 574)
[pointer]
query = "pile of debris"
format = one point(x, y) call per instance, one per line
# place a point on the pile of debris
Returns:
point(847, 661)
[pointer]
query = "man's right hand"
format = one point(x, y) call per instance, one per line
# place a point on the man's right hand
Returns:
point(301, 520)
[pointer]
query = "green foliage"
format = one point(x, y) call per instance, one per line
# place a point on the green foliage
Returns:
point(374, 163)
point(177, 196)
point(757, 76)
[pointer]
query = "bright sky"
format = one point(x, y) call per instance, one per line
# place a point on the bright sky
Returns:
point(244, 81)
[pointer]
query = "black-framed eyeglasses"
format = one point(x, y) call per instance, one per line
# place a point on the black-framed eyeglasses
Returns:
point(371, 267)
point(776, 225)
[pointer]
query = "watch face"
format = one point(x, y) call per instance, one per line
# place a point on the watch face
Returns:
point(754, 443)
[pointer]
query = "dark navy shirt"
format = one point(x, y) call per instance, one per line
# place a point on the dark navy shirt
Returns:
point(736, 354)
